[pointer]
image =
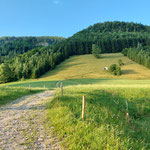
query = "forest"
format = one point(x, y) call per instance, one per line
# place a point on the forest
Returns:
point(32, 59)
point(139, 54)
point(12, 46)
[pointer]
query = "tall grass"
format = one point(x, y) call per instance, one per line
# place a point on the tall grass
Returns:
point(105, 125)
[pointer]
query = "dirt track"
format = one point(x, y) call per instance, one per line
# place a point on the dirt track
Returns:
point(22, 124)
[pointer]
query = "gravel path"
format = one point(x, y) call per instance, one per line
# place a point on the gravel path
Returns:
point(22, 124)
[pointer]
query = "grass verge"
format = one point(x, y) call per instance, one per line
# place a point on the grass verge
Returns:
point(8, 94)
point(105, 125)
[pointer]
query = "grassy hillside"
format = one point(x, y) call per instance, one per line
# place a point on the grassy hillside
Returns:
point(87, 66)
point(86, 69)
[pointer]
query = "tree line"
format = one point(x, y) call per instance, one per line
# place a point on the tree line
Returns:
point(139, 54)
point(32, 64)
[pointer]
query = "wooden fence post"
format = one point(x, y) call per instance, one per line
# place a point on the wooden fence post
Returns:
point(61, 86)
point(128, 118)
point(83, 108)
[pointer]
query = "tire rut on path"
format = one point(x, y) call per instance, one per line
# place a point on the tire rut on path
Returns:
point(22, 124)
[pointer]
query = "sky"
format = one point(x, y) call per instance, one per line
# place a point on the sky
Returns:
point(66, 17)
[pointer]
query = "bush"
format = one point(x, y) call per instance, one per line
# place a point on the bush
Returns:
point(114, 69)
point(97, 56)
point(125, 51)
point(120, 62)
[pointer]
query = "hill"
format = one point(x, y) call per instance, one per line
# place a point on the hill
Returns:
point(108, 36)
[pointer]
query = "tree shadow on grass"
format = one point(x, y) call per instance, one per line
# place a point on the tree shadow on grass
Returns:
point(128, 71)
point(62, 68)
point(52, 84)
point(129, 63)
point(112, 56)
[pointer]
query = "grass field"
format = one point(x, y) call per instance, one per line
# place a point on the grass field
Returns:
point(87, 66)
point(8, 94)
point(105, 125)
point(86, 69)
point(102, 82)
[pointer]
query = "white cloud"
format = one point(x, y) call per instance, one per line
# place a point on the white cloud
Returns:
point(56, 2)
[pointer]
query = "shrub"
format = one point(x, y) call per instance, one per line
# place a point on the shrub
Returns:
point(125, 51)
point(120, 62)
point(114, 69)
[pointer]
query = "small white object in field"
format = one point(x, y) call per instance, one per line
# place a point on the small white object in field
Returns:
point(105, 68)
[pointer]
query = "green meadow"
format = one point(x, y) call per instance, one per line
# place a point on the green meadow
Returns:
point(105, 125)
point(8, 94)
point(87, 66)
point(108, 99)
point(86, 69)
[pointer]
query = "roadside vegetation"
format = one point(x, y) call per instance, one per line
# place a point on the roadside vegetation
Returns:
point(105, 125)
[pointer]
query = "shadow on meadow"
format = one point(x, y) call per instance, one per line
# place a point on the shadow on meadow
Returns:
point(128, 71)
point(52, 84)
point(112, 56)
point(129, 63)
point(62, 67)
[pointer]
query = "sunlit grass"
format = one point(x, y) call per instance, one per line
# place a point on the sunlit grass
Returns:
point(86, 69)
point(87, 66)
point(105, 125)
point(8, 94)
point(101, 82)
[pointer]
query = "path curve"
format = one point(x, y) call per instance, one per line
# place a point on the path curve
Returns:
point(22, 124)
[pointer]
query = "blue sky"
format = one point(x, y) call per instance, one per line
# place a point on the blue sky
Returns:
point(66, 17)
